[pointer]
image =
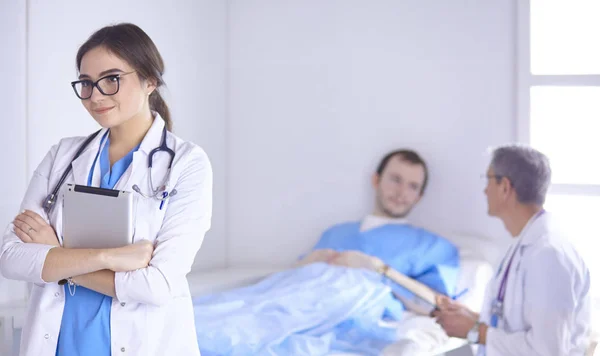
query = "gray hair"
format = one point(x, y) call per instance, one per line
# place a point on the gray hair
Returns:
point(527, 169)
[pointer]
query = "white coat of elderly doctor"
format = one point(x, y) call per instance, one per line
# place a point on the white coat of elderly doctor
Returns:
point(133, 300)
point(538, 304)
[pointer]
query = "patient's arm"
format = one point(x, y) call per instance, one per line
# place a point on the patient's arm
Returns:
point(320, 255)
point(357, 259)
point(422, 302)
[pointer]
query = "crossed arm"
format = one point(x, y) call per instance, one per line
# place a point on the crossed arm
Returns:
point(144, 272)
point(92, 268)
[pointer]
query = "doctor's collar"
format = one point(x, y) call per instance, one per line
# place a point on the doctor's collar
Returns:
point(152, 138)
point(532, 229)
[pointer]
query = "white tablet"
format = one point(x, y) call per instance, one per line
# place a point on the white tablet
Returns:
point(97, 217)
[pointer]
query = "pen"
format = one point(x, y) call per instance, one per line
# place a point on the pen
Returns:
point(162, 202)
point(460, 294)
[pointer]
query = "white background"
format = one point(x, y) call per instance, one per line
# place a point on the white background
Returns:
point(294, 101)
point(321, 90)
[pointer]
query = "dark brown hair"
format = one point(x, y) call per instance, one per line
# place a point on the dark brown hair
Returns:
point(133, 45)
point(409, 156)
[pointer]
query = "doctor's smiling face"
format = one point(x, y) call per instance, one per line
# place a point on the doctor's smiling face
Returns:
point(120, 74)
point(399, 185)
point(125, 95)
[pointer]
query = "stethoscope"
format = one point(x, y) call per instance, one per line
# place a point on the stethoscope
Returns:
point(498, 303)
point(159, 193)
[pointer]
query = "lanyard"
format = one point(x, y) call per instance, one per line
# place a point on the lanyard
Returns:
point(503, 282)
point(91, 174)
point(498, 304)
point(502, 289)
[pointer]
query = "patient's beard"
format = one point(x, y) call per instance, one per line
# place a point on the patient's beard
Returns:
point(396, 215)
point(382, 210)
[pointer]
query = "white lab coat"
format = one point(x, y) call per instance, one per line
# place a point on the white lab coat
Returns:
point(152, 314)
point(547, 302)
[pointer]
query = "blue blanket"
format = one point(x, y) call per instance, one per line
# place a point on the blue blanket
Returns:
point(311, 310)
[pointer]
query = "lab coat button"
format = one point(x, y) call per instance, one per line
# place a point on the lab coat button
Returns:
point(46, 336)
point(122, 304)
point(56, 294)
point(122, 349)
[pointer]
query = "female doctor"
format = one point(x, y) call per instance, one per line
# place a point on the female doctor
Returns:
point(133, 300)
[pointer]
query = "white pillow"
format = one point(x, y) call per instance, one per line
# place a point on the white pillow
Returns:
point(474, 276)
point(479, 247)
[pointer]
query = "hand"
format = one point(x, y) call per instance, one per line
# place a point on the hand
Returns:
point(445, 303)
point(32, 228)
point(130, 257)
point(357, 259)
point(455, 318)
point(321, 255)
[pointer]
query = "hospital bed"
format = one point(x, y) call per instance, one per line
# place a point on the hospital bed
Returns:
point(477, 258)
point(474, 275)
point(208, 282)
point(475, 272)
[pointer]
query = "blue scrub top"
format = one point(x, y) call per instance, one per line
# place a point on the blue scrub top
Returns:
point(85, 327)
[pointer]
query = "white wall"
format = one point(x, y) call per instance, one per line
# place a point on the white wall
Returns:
point(12, 101)
point(320, 90)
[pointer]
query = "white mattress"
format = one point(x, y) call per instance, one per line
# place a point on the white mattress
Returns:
point(475, 273)
point(213, 281)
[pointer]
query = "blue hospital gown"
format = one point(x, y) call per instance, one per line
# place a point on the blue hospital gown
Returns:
point(415, 252)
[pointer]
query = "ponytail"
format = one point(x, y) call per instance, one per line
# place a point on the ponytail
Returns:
point(158, 104)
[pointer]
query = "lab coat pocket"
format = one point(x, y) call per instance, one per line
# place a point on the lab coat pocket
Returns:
point(148, 219)
point(39, 285)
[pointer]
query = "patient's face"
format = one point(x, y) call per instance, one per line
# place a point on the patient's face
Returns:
point(398, 188)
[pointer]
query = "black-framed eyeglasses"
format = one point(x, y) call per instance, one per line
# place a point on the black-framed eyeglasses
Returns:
point(494, 176)
point(107, 85)
point(490, 176)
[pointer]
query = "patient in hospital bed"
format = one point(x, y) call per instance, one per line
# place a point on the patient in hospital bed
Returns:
point(336, 299)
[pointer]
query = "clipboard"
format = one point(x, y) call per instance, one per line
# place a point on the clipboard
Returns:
point(419, 289)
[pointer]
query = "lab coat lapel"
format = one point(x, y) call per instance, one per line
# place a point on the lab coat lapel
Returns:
point(535, 229)
point(82, 165)
point(134, 173)
point(538, 229)
point(137, 172)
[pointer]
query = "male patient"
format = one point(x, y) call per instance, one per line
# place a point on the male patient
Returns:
point(284, 314)
point(386, 238)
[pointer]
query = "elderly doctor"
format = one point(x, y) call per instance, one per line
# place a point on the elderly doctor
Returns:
point(538, 304)
point(133, 300)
